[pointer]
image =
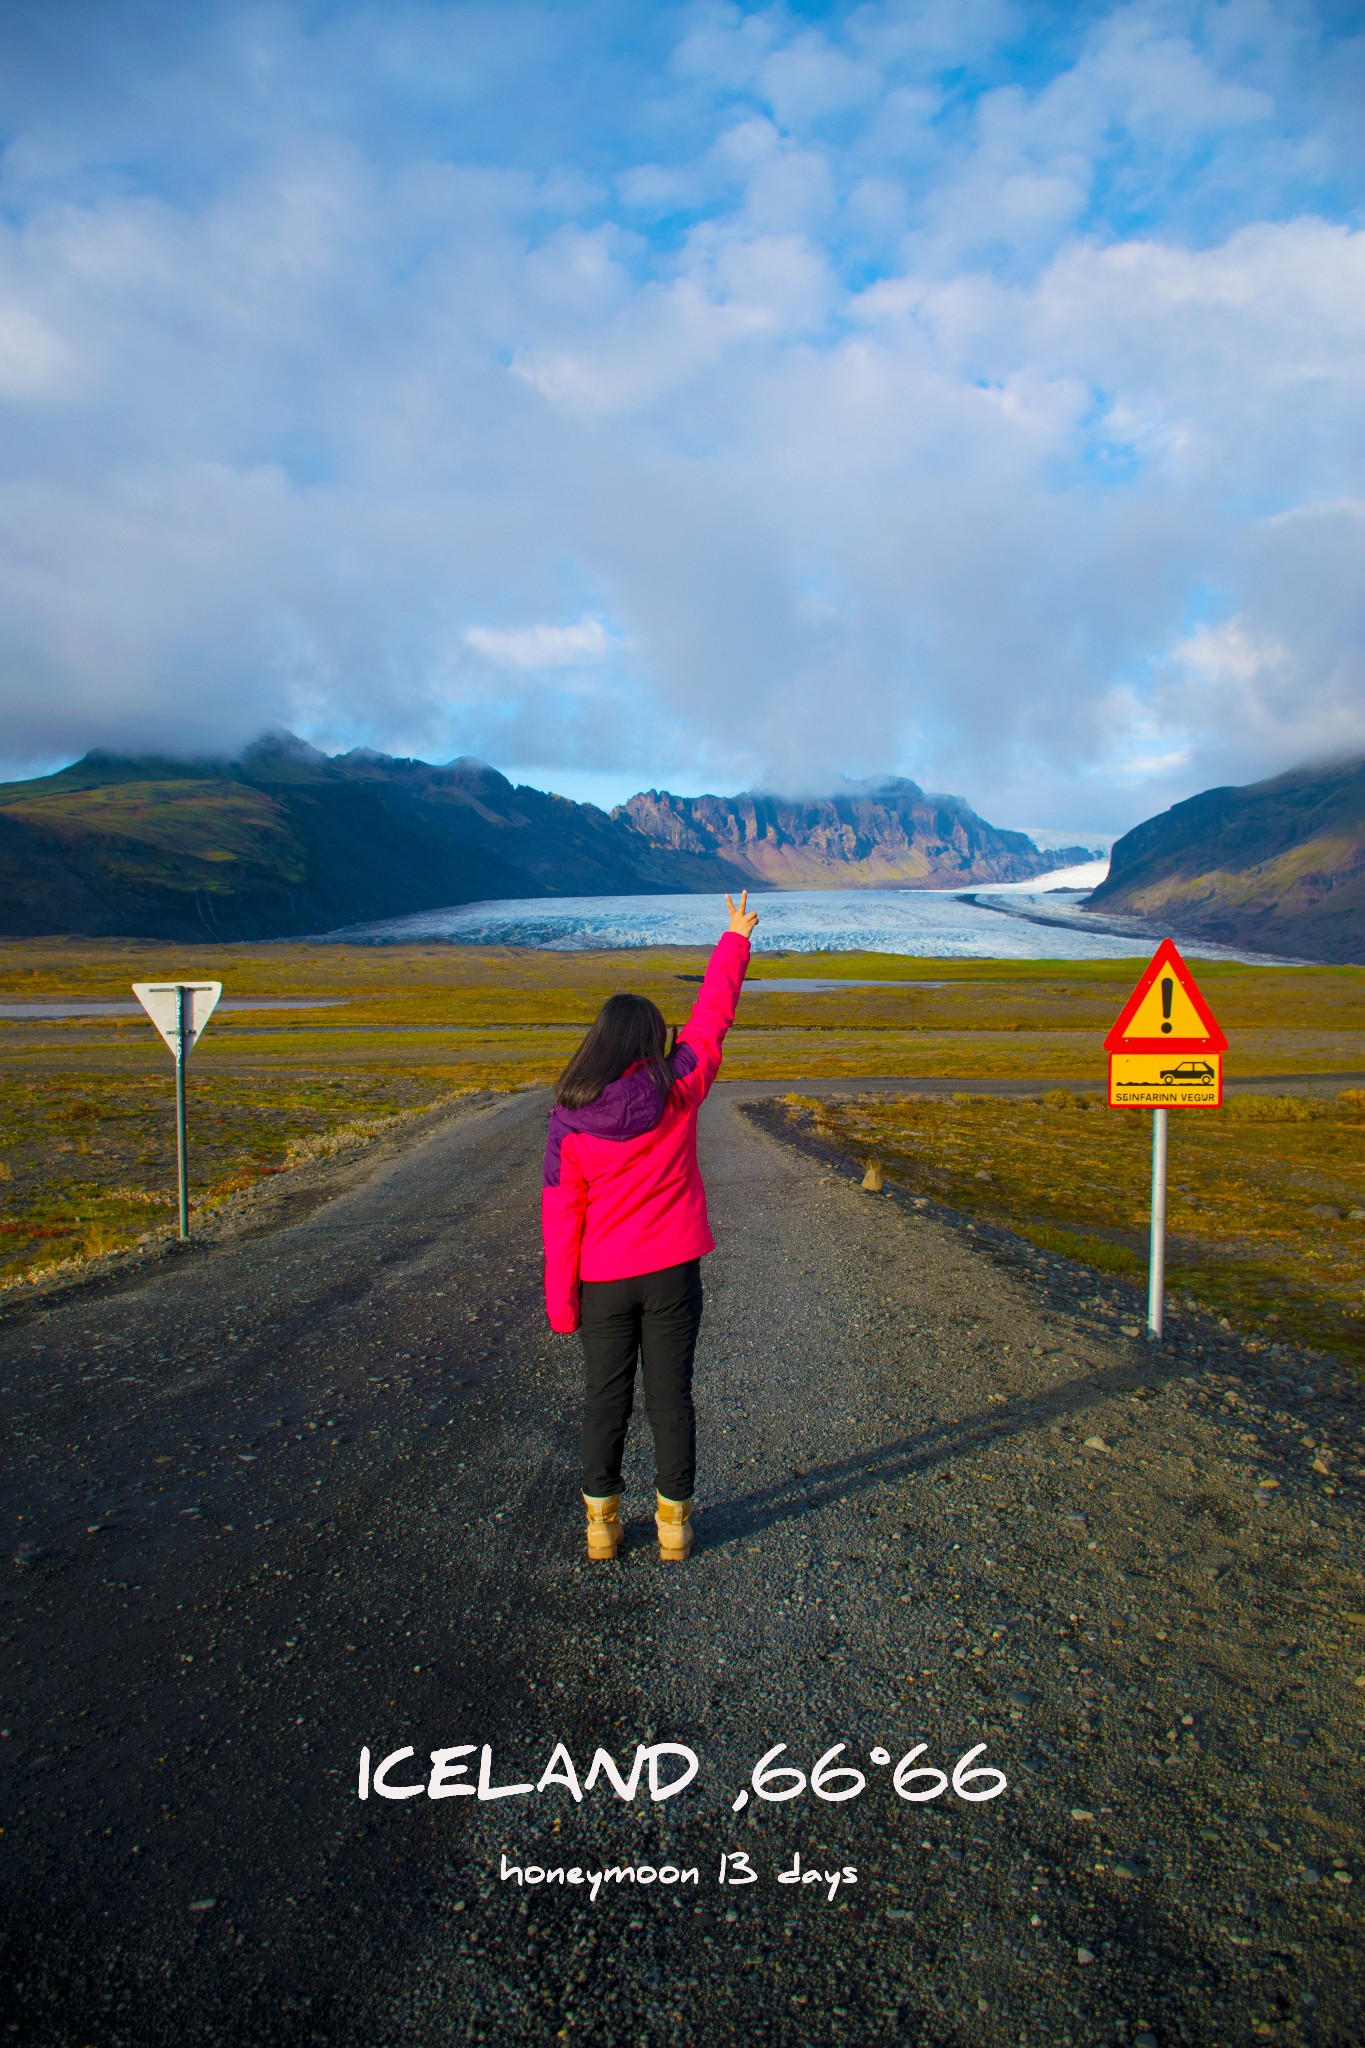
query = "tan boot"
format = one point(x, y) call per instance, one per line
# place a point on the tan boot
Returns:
point(604, 1525)
point(674, 1524)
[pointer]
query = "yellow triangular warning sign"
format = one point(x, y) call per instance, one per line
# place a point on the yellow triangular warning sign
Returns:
point(1166, 1012)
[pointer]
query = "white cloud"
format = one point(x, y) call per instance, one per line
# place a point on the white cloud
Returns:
point(1144, 766)
point(808, 78)
point(1006, 436)
point(34, 362)
point(543, 646)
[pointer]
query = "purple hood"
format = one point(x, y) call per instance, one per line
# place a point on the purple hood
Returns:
point(625, 1109)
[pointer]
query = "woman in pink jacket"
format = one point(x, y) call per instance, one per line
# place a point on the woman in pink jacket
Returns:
point(624, 1215)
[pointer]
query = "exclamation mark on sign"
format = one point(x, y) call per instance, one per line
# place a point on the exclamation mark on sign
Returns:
point(1167, 991)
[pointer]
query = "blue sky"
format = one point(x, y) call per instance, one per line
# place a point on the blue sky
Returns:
point(700, 396)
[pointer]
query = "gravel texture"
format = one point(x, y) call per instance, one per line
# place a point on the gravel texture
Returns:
point(312, 1486)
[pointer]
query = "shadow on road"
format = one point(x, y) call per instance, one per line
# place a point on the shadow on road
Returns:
point(816, 1487)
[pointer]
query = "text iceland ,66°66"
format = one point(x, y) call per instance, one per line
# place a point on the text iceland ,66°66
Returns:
point(466, 1770)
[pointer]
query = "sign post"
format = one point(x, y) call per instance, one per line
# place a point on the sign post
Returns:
point(179, 1010)
point(1165, 1052)
point(1156, 1243)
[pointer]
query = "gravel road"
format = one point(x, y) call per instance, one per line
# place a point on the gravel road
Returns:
point(311, 1486)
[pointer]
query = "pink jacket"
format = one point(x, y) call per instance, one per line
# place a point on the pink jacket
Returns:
point(623, 1192)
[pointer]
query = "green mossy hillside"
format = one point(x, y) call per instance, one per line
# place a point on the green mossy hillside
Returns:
point(287, 841)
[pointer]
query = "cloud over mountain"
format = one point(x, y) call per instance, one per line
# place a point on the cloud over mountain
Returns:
point(707, 394)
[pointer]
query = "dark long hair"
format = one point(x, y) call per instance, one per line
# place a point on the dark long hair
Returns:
point(627, 1030)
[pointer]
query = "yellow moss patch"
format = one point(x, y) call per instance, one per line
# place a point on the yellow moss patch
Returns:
point(1266, 1214)
point(91, 1154)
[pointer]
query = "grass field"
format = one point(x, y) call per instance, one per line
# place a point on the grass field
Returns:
point(1266, 1203)
point(86, 1108)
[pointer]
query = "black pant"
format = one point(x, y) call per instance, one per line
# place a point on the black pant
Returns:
point(656, 1315)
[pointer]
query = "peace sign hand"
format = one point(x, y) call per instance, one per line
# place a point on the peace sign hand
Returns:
point(742, 919)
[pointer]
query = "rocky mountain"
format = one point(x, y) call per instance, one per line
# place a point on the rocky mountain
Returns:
point(285, 841)
point(1277, 865)
point(886, 835)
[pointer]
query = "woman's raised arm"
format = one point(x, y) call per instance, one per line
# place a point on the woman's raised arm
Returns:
point(702, 1036)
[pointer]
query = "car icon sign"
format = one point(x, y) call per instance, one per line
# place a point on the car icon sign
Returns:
point(1189, 1070)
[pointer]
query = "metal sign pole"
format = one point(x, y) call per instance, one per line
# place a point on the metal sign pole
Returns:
point(1163, 1020)
point(1156, 1263)
point(180, 1010)
point(181, 1020)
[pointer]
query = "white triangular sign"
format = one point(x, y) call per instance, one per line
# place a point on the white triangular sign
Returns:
point(161, 1001)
